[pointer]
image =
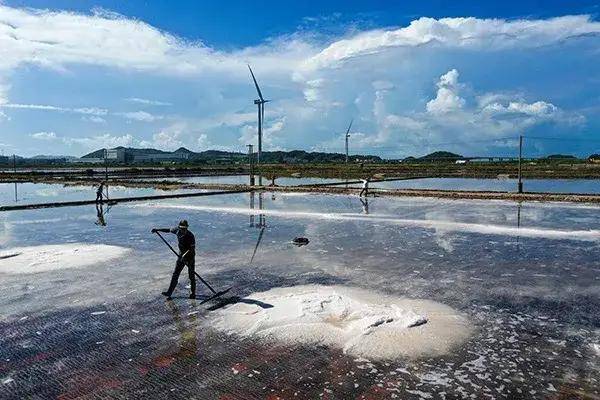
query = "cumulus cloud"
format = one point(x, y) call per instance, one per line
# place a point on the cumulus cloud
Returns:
point(382, 78)
point(446, 118)
point(537, 109)
point(105, 140)
point(271, 134)
point(471, 33)
point(447, 98)
point(168, 138)
point(44, 136)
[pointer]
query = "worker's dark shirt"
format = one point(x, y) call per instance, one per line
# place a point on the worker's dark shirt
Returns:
point(186, 241)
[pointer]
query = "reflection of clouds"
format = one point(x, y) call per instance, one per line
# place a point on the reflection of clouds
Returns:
point(5, 232)
point(47, 192)
point(481, 227)
point(444, 240)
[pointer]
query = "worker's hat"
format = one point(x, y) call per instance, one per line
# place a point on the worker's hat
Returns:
point(183, 223)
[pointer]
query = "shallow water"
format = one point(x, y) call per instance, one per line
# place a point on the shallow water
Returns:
point(28, 193)
point(527, 277)
point(501, 185)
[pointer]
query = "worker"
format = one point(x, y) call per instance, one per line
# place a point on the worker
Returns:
point(99, 191)
point(365, 188)
point(187, 256)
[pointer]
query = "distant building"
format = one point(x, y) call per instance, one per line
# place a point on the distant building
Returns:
point(173, 157)
point(116, 155)
point(87, 160)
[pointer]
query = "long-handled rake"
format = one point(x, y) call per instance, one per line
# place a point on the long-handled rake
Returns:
point(215, 294)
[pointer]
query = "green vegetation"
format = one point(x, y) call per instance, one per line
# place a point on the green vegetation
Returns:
point(226, 157)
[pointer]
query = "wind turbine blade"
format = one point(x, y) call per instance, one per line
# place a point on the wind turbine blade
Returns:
point(349, 126)
point(260, 96)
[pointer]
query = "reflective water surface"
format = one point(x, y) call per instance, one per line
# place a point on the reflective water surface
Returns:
point(527, 276)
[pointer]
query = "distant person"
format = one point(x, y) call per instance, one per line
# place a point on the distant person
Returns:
point(99, 191)
point(365, 188)
point(187, 256)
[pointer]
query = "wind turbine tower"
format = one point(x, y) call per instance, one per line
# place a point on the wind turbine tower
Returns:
point(260, 102)
point(347, 137)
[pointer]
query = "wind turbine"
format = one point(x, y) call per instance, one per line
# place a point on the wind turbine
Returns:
point(347, 137)
point(260, 102)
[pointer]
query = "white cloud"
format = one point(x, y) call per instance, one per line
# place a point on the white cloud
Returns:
point(383, 85)
point(446, 118)
point(473, 33)
point(95, 119)
point(447, 98)
point(537, 109)
point(271, 134)
point(203, 142)
point(56, 39)
point(105, 140)
point(147, 102)
point(44, 136)
point(3, 93)
point(43, 107)
point(141, 116)
point(169, 138)
point(382, 78)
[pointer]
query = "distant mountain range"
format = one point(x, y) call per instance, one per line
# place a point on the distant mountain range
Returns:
point(294, 156)
point(51, 157)
point(436, 156)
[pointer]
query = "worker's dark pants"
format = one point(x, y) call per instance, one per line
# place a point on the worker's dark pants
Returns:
point(364, 191)
point(191, 273)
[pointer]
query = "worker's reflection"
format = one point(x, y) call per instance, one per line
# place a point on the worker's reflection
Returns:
point(188, 345)
point(100, 215)
point(365, 204)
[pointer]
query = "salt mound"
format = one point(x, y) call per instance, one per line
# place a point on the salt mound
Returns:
point(360, 322)
point(28, 260)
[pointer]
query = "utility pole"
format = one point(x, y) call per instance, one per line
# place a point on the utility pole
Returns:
point(15, 171)
point(106, 171)
point(520, 184)
point(251, 163)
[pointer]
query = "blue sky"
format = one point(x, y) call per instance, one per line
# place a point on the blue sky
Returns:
point(415, 76)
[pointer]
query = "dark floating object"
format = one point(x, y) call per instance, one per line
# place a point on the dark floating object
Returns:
point(419, 322)
point(9, 256)
point(300, 241)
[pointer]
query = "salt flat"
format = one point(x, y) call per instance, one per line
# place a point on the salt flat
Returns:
point(527, 305)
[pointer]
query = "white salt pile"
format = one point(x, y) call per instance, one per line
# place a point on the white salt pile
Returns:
point(27, 260)
point(362, 323)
